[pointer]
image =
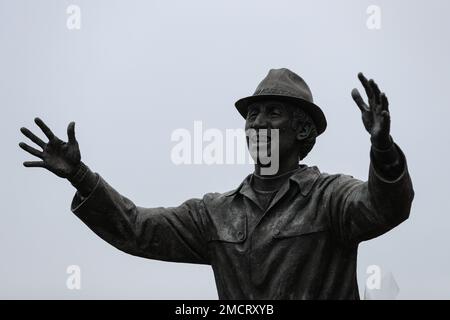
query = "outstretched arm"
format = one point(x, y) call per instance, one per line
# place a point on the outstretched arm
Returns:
point(172, 234)
point(377, 121)
point(363, 210)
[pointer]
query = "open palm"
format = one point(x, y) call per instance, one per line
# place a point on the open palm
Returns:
point(375, 115)
point(61, 158)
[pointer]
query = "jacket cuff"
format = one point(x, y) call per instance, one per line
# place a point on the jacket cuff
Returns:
point(79, 201)
point(84, 180)
point(392, 160)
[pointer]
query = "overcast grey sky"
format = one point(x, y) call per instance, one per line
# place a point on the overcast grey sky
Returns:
point(138, 70)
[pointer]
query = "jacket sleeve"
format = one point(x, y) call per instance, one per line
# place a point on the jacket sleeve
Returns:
point(174, 234)
point(361, 211)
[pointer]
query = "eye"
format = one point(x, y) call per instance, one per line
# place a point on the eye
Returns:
point(251, 115)
point(275, 114)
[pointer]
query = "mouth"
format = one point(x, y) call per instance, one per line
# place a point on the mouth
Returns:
point(260, 138)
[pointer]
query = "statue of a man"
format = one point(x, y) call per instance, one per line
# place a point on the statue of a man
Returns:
point(290, 235)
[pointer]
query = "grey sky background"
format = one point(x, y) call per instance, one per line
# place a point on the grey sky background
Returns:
point(137, 70)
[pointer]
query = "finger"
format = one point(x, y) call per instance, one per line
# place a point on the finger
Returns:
point(34, 164)
point(386, 121)
point(44, 128)
point(31, 150)
point(32, 137)
point(365, 84)
point(384, 102)
point(375, 90)
point(71, 132)
point(359, 101)
point(386, 115)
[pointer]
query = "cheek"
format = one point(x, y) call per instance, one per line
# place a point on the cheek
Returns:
point(287, 140)
point(282, 123)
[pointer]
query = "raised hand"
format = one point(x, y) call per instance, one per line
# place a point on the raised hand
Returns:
point(375, 116)
point(61, 158)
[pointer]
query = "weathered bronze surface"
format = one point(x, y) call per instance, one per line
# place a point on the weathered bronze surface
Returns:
point(293, 235)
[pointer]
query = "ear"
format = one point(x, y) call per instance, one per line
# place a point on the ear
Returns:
point(303, 131)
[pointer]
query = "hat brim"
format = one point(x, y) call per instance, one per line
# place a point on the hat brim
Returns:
point(313, 110)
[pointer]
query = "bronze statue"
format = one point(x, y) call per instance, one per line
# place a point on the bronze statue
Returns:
point(292, 235)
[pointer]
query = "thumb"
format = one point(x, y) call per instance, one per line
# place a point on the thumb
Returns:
point(71, 132)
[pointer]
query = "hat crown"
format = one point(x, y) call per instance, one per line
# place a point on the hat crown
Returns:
point(284, 82)
point(288, 86)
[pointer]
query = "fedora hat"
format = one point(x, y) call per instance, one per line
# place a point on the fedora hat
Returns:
point(283, 84)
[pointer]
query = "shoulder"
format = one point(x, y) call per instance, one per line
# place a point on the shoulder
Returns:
point(215, 199)
point(311, 178)
point(316, 180)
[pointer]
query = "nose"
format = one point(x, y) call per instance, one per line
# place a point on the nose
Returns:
point(260, 121)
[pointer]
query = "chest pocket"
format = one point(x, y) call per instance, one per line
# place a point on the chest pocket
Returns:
point(299, 227)
point(230, 226)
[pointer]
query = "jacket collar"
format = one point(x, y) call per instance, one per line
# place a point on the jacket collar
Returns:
point(305, 177)
point(234, 191)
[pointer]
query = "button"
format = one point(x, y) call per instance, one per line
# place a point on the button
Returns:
point(240, 235)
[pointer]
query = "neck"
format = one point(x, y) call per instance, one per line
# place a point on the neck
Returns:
point(274, 182)
point(286, 163)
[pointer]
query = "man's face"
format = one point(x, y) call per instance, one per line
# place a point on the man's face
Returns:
point(271, 114)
